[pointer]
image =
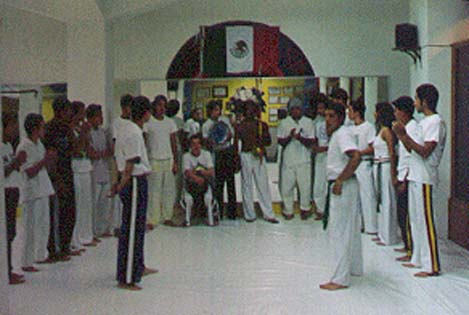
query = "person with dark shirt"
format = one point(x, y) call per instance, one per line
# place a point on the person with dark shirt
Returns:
point(254, 135)
point(59, 137)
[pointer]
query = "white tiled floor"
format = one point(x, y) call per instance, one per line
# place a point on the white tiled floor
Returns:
point(242, 268)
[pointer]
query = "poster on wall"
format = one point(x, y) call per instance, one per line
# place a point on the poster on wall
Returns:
point(284, 99)
point(202, 92)
point(273, 99)
point(274, 90)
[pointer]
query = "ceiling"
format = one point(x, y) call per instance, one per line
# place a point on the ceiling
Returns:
point(69, 10)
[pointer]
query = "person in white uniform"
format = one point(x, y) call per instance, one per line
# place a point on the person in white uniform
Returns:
point(341, 216)
point(35, 192)
point(426, 152)
point(192, 125)
point(162, 150)
point(198, 173)
point(100, 152)
point(385, 175)
point(13, 182)
point(320, 157)
point(83, 233)
point(295, 135)
point(118, 125)
point(404, 111)
point(364, 133)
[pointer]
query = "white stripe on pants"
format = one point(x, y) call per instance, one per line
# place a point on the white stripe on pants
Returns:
point(299, 174)
point(253, 169)
point(344, 233)
point(101, 208)
point(36, 230)
point(387, 216)
point(367, 201)
point(162, 191)
point(83, 230)
point(320, 181)
point(189, 201)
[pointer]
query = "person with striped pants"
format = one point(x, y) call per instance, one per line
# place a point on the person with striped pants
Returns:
point(426, 149)
point(133, 165)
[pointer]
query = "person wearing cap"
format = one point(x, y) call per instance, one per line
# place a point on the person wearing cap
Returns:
point(296, 136)
point(404, 111)
point(364, 133)
point(426, 151)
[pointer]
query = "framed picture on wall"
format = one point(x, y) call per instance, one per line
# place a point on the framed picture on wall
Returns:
point(220, 91)
point(288, 90)
point(273, 99)
point(284, 99)
point(274, 90)
point(202, 92)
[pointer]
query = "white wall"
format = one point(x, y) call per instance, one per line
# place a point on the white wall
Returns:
point(33, 47)
point(339, 42)
point(439, 23)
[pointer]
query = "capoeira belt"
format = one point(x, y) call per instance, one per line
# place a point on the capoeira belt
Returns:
point(379, 180)
point(325, 216)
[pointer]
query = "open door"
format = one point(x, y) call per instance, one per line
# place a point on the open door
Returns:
point(459, 200)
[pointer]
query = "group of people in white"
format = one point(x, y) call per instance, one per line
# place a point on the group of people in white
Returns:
point(355, 176)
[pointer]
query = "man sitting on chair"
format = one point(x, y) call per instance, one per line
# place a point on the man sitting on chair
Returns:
point(198, 173)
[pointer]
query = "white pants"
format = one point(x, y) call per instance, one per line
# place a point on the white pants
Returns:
point(424, 239)
point(208, 200)
point(161, 191)
point(117, 212)
point(367, 200)
point(253, 169)
point(101, 208)
point(387, 216)
point(320, 181)
point(299, 174)
point(83, 231)
point(344, 233)
point(36, 220)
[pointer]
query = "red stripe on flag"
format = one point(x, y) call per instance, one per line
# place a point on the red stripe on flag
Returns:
point(266, 52)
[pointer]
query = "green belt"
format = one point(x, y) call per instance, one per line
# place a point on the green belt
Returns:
point(325, 217)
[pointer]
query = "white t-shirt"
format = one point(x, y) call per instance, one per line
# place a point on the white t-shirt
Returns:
point(191, 161)
point(321, 131)
point(40, 185)
point(364, 135)
point(192, 127)
point(118, 125)
point(14, 180)
point(100, 167)
point(342, 140)
point(294, 152)
point(130, 144)
point(159, 137)
point(430, 129)
point(404, 155)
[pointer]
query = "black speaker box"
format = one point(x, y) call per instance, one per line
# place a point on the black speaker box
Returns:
point(406, 36)
point(172, 85)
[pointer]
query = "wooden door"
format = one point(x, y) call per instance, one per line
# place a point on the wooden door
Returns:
point(459, 199)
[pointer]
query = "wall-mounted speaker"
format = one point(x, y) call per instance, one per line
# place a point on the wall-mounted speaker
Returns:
point(172, 85)
point(406, 36)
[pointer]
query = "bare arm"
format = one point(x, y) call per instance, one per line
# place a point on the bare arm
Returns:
point(388, 138)
point(423, 150)
point(368, 151)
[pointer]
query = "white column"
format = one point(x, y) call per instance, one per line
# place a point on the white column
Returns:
point(86, 61)
point(371, 97)
point(344, 83)
point(322, 85)
point(29, 103)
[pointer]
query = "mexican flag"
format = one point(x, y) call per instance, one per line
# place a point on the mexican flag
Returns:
point(240, 49)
